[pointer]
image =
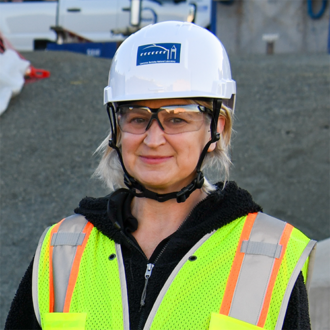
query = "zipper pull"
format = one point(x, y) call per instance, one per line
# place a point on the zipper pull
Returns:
point(148, 270)
point(147, 275)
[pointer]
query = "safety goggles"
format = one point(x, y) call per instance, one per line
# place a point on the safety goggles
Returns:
point(172, 119)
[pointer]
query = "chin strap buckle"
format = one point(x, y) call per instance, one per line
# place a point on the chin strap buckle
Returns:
point(133, 185)
point(199, 180)
point(217, 137)
point(197, 183)
point(112, 144)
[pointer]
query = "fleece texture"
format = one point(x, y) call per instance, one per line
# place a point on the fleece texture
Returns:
point(218, 209)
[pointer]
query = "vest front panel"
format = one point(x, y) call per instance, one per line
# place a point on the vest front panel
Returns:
point(199, 286)
point(97, 291)
point(296, 245)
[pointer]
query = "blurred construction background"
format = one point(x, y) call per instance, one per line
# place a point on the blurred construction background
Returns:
point(298, 26)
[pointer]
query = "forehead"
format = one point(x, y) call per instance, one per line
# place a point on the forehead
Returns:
point(154, 104)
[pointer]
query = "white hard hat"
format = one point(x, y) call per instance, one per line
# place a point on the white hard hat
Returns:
point(170, 60)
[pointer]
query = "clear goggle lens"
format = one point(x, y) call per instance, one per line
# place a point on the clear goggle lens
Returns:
point(172, 119)
point(229, 104)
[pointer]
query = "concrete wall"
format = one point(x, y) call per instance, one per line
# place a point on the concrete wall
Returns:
point(241, 25)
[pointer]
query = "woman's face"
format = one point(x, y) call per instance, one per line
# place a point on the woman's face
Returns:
point(162, 162)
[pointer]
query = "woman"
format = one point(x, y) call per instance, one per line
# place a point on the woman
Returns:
point(171, 251)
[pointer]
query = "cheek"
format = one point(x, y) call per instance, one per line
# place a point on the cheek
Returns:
point(191, 148)
point(129, 145)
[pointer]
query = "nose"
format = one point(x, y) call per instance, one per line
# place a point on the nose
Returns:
point(154, 135)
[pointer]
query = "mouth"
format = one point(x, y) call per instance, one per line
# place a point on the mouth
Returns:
point(154, 159)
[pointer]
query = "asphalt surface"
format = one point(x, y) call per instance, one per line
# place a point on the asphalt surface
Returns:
point(280, 150)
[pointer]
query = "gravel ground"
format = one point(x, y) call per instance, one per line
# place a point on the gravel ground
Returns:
point(49, 133)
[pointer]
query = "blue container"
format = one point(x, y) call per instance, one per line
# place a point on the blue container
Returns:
point(96, 49)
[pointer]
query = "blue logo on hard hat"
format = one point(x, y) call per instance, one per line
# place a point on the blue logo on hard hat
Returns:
point(158, 53)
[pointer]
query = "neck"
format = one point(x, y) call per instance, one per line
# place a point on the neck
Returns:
point(156, 220)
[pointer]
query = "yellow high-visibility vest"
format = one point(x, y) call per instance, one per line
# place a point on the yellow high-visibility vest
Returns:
point(237, 277)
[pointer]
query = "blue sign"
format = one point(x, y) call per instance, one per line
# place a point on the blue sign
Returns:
point(158, 53)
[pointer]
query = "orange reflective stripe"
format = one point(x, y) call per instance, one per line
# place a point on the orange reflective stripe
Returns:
point(75, 267)
point(284, 242)
point(51, 282)
point(236, 266)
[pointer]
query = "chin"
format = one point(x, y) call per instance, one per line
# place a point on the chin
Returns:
point(157, 187)
point(163, 188)
point(160, 183)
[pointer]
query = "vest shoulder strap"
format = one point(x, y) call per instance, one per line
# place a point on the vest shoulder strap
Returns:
point(262, 249)
point(67, 240)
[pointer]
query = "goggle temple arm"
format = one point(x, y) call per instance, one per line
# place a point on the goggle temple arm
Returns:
point(215, 136)
point(113, 125)
point(113, 141)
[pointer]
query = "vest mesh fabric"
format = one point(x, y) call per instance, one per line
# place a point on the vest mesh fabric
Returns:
point(199, 287)
point(43, 276)
point(296, 245)
point(97, 291)
point(196, 291)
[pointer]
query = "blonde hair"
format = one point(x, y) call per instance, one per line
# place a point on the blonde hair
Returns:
point(110, 171)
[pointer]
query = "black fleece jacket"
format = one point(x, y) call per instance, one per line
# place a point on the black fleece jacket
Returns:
point(217, 210)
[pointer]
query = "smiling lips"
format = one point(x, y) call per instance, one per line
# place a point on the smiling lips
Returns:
point(155, 159)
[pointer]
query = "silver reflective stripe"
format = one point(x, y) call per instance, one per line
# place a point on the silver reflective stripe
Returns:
point(123, 287)
point(256, 270)
point(261, 248)
point(171, 278)
point(310, 267)
point(67, 239)
point(310, 246)
point(35, 272)
point(63, 257)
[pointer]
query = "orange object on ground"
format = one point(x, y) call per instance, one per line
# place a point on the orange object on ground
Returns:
point(38, 73)
point(32, 74)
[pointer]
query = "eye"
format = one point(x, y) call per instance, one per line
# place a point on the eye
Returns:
point(177, 120)
point(137, 120)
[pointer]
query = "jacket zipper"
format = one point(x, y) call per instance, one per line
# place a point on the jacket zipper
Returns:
point(147, 275)
point(150, 266)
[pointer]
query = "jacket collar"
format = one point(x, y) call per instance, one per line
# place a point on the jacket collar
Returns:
point(217, 210)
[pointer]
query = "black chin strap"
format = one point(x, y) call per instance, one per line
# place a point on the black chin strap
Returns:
point(180, 196)
point(137, 189)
